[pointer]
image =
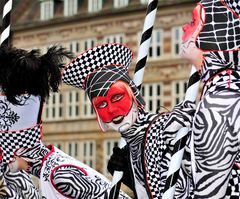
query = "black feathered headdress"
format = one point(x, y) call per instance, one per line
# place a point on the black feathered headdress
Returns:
point(30, 72)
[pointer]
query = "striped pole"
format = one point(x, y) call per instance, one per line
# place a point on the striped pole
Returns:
point(145, 42)
point(5, 36)
point(4, 40)
point(180, 140)
point(138, 77)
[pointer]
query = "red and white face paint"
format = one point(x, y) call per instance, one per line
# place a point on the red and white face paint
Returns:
point(117, 110)
point(190, 33)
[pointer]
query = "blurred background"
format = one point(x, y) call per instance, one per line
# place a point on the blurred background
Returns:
point(69, 120)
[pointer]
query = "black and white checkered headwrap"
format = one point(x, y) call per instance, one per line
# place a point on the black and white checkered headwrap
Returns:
point(13, 140)
point(221, 30)
point(79, 69)
point(100, 81)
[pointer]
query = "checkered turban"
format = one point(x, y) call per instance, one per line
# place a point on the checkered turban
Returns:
point(221, 30)
point(100, 81)
point(98, 68)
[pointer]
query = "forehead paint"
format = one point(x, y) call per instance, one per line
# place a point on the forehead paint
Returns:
point(190, 28)
point(115, 105)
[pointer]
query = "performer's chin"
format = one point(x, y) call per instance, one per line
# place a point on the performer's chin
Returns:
point(124, 127)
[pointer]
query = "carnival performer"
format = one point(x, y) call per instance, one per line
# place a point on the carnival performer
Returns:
point(212, 42)
point(103, 73)
point(61, 176)
point(26, 78)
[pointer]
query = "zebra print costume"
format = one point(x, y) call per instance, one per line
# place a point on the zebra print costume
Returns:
point(216, 127)
point(12, 117)
point(62, 176)
point(150, 141)
point(216, 131)
point(150, 138)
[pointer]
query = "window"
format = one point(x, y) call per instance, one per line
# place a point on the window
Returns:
point(89, 43)
point(94, 5)
point(116, 38)
point(179, 89)
point(79, 46)
point(74, 47)
point(88, 153)
point(156, 44)
point(107, 149)
point(144, 1)
point(59, 145)
point(87, 108)
point(120, 3)
point(54, 107)
point(177, 40)
point(47, 9)
point(73, 149)
point(73, 104)
point(70, 7)
point(153, 96)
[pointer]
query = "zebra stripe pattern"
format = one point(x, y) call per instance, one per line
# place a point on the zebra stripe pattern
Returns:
point(180, 140)
point(5, 36)
point(216, 135)
point(80, 185)
point(139, 70)
point(145, 42)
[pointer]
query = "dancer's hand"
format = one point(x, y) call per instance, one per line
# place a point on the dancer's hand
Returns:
point(118, 160)
point(18, 164)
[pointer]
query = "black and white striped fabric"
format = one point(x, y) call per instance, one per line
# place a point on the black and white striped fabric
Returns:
point(13, 140)
point(104, 55)
point(214, 62)
point(150, 142)
point(221, 30)
point(61, 176)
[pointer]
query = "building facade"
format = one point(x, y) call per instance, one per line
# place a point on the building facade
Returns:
point(69, 120)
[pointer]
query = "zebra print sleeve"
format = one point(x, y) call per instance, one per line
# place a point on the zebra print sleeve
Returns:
point(80, 185)
point(6, 191)
point(22, 183)
point(181, 116)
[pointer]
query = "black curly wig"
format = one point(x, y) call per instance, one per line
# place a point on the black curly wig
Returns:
point(30, 72)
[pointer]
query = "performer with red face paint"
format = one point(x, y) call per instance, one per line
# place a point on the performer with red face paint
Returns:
point(103, 73)
point(211, 42)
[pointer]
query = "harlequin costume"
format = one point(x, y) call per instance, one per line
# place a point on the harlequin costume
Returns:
point(26, 79)
point(62, 176)
point(96, 71)
point(150, 137)
point(216, 126)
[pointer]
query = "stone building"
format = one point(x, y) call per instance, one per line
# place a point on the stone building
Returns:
point(69, 120)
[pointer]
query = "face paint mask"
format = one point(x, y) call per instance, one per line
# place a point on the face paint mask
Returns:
point(188, 46)
point(127, 122)
point(117, 109)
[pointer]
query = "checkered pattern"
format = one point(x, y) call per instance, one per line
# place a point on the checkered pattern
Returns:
point(10, 141)
point(221, 30)
point(234, 5)
point(234, 183)
point(154, 148)
point(98, 57)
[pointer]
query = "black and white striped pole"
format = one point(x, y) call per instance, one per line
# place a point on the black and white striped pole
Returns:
point(145, 43)
point(180, 139)
point(138, 77)
point(6, 23)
